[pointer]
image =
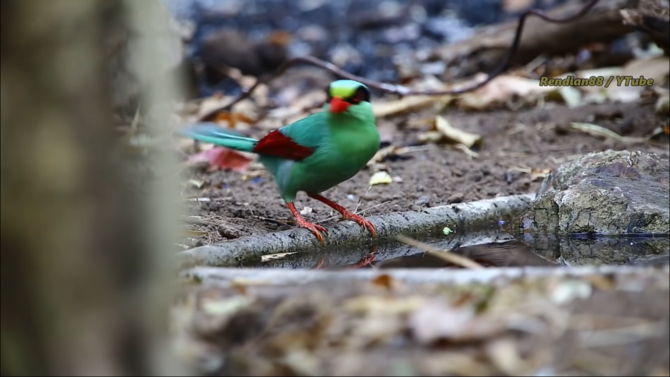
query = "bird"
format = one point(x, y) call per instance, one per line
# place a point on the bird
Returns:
point(313, 154)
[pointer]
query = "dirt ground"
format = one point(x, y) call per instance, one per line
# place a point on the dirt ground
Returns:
point(435, 175)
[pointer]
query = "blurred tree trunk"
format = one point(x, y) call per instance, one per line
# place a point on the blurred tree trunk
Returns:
point(81, 287)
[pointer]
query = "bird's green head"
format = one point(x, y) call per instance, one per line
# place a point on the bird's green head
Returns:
point(348, 96)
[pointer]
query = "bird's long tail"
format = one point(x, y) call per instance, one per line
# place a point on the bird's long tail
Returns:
point(211, 133)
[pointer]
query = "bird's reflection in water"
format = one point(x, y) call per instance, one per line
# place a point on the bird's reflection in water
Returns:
point(365, 262)
point(508, 254)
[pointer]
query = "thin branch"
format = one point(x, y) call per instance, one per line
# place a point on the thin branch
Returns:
point(442, 254)
point(401, 89)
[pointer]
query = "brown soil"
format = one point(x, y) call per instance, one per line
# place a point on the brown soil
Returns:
point(536, 138)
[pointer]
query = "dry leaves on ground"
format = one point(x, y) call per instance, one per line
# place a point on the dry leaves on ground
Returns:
point(355, 327)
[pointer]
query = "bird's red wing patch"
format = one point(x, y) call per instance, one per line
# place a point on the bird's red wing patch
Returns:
point(279, 145)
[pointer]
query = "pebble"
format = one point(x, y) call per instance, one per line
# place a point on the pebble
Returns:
point(423, 200)
point(456, 197)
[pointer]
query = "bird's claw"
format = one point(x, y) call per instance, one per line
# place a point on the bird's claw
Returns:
point(368, 259)
point(316, 229)
point(361, 221)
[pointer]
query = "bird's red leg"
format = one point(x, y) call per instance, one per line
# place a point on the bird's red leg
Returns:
point(346, 214)
point(316, 229)
point(320, 263)
point(366, 260)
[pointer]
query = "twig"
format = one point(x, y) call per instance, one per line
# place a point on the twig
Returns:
point(401, 89)
point(360, 200)
point(596, 130)
point(442, 254)
point(274, 221)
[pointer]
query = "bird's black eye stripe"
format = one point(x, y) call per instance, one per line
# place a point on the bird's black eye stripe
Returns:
point(362, 95)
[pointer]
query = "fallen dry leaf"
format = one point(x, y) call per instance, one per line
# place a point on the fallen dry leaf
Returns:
point(245, 110)
point(455, 135)
point(213, 102)
point(535, 173)
point(538, 174)
point(196, 183)
point(466, 150)
point(435, 321)
point(222, 158)
point(224, 306)
point(505, 356)
point(406, 104)
point(382, 154)
point(444, 132)
point(383, 280)
point(380, 177)
point(386, 305)
point(430, 137)
point(571, 96)
point(596, 130)
point(500, 90)
point(655, 68)
point(569, 290)
point(605, 73)
point(230, 120)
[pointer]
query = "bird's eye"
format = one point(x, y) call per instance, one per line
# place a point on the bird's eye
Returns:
point(362, 94)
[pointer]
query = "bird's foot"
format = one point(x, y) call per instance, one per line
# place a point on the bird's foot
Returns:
point(366, 260)
point(320, 263)
point(346, 215)
point(316, 229)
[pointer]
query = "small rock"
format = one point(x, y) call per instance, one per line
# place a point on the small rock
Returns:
point(509, 177)
point(422, 200)
point(434, 68)
point(230, 232)
point(344, 53)
point(611, 192)
point(456, 197)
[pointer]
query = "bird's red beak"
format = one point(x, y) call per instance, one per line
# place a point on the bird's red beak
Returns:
point(338, 105)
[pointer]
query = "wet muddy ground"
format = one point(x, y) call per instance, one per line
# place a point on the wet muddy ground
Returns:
point(539, 138)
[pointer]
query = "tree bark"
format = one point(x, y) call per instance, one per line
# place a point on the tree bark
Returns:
point(81, 291)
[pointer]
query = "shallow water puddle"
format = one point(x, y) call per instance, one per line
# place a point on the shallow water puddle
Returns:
point(492, 248)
